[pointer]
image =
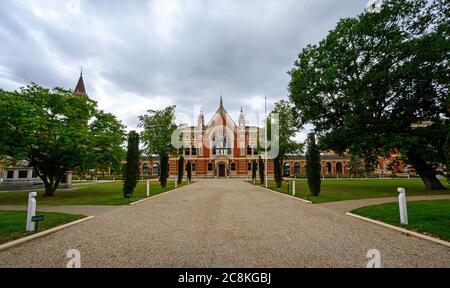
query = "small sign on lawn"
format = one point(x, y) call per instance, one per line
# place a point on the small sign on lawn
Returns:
point(37, 219)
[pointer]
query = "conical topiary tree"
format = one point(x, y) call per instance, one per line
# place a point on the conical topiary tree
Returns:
point(313, 166)
point(189, 170)
point(278, 175)
point(254, 168)
point(131, 172)
point(164, 174)
point(180, 169)
point(261, 170)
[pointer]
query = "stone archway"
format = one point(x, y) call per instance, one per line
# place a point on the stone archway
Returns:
point(221, 169)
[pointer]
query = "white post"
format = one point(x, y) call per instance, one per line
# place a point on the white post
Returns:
point(176, 183)
point(31, 212)
point(148, 188)
point(402, 205)
point(293, 188)
point(267, 160)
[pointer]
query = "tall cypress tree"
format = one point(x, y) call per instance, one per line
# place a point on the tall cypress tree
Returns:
point(189, 170)
point(261, 170)
point(313, 166)
point(180, 169)
point(132, 166)
point(277, 162)
point(254, 168)
point(164, 160)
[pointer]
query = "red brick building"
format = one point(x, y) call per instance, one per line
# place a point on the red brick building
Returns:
point(222, 148)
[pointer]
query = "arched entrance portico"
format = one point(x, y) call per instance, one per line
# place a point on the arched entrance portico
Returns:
point(221, 169)
point(222, 172)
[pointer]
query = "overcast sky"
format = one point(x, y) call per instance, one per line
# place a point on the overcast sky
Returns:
point(140, 55)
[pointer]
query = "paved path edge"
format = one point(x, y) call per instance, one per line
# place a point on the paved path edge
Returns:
point(401, 230)
point(19, 241)
point(160, 194)
point(284, 194)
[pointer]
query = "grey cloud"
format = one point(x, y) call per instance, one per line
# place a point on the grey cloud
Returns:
point(240, 48)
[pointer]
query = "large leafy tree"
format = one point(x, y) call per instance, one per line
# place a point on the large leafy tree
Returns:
point(379, 82)
point(106, 143)
point(286, 122)
point(57, 131)
point(158, 127)
point(131, 173)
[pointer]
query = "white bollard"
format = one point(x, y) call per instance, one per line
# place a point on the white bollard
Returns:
point(293, 188)
point(148, 188)
point(176, 182)
point(31, 212)
point(402, 205)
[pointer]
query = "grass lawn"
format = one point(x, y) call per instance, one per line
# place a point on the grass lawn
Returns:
point(13, 223)
point(350, 189)
point(87, 194)
point(428, 217)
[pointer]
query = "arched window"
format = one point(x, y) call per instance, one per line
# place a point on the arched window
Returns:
point(233, 166)
point(210, 167)
point(339, 168)
point(249, 166)
point(187, 152)
point(249, 150)
point(193, 167)
point(329, 168)
point(155, 169)
point(194, 151)
point(297, 168)
point(146, 168)
point(287, 169)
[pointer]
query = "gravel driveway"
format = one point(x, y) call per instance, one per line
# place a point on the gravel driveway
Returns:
point(226, 223)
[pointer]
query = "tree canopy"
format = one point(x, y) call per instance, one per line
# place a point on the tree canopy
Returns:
point(285, 137)
point(57, 131)
point(379, 82)
point(158, 128)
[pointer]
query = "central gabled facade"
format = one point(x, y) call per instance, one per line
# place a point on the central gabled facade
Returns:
point(221, 148)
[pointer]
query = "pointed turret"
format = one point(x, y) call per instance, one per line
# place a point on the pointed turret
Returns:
point(201, 119)
point(80, 88)
point(242, 118)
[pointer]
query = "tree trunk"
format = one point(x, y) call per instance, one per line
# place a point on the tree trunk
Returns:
point(426, 173)
point(51, 186)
